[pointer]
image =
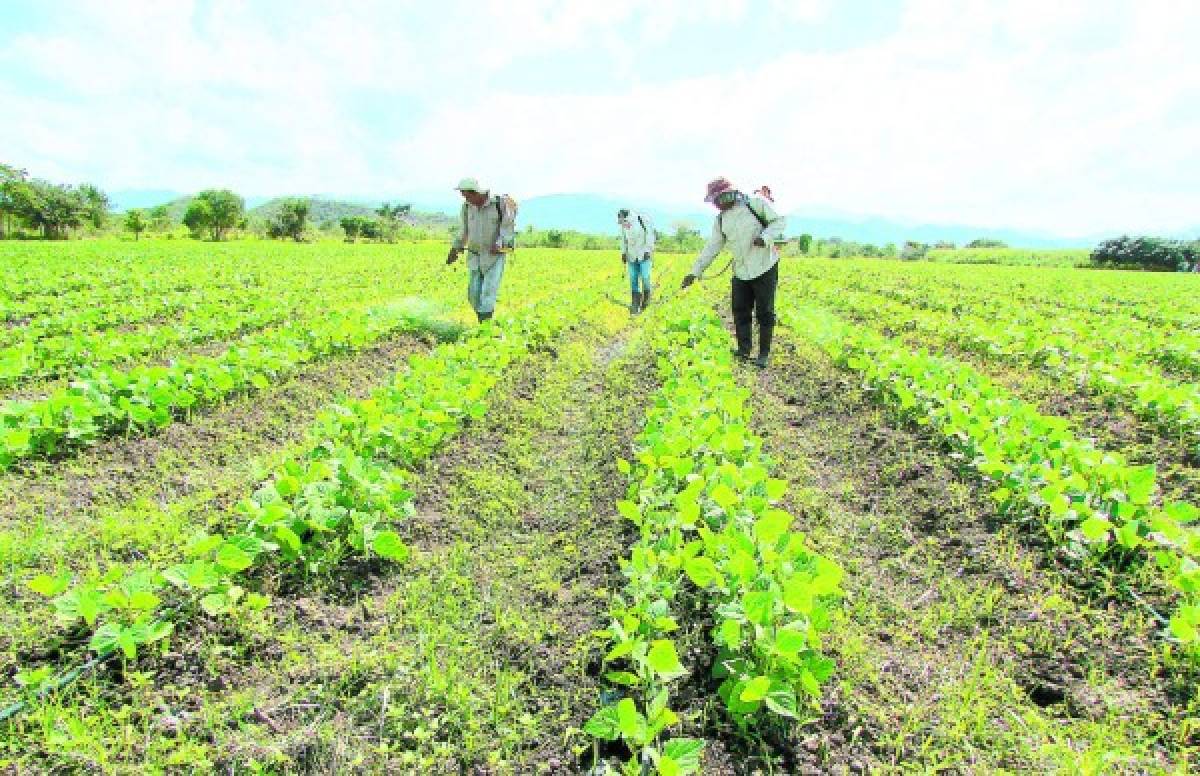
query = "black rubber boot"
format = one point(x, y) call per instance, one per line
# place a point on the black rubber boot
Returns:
point(744, 344)
point(483, 316)
point(645, 299)
point(765, 333)
point(635, 305)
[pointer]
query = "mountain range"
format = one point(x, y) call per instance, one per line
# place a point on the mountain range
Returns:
point(596, 213)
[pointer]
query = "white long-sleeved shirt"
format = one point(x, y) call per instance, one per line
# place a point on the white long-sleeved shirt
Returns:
point(637, 239)
point(736, 229)
point(484, 229)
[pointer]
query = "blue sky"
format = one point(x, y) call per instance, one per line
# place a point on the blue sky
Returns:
point(1077, 116)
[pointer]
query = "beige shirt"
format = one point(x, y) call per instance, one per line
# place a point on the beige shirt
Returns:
point(736, 229)
point(484, 229)
point(638, 239)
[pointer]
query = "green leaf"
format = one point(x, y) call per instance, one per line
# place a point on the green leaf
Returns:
point(757, 606)
point(724, 496)
point(387, 544)
point(287, 486)
point(233, 558)
point(774, 524)
point(630, 512)
point(685, 752)
point(623, 678)
point(630, 722)
point(604, 724)
point(663, 658)
point(776, 489)
point(703, 572)
point(755, 689)
point(1095, 528)
point(789, 641)
point(729, 634)
point(44, 584)
point(782, 700)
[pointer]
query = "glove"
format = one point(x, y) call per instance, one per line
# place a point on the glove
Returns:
point(688, 280)
point(760, 242)
point(646, 257)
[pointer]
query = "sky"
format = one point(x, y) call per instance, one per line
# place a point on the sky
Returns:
point(1072, 117)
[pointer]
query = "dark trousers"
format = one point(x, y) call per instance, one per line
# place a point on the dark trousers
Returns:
point(755, 299)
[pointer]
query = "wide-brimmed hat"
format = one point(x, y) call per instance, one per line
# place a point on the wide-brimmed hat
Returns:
point(468, 184)
point(718, 187)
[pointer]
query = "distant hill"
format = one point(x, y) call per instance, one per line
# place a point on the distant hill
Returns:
point(321, 210)
point(597, 213)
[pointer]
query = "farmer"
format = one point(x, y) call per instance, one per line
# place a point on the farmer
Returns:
point(637, 248)
point(749, 227)
point(487, 230)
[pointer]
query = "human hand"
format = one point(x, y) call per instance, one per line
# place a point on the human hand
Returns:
point(688, 280)
point(452, 256)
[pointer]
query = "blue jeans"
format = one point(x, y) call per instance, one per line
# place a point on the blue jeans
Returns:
point(482, 287)
point(639, 271)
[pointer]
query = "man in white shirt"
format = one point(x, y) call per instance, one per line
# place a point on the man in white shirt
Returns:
point(487, 230)
point(637, 249)
point(749, 228)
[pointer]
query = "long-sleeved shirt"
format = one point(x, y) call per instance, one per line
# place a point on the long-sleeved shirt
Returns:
point(637, 239)
point(484, 229)
point(736, 229)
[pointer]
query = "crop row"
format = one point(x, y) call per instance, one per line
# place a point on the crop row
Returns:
point(1172, 406)
point(345, 495)
point(143, 399)
point(215, 319)
point(1123, 335)
point(1091, 501)
point(709, 540)
point(1163, 299)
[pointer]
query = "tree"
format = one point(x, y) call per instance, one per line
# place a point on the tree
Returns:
point(214, 210)
point(95, 204)
point(14, 193)
point(804, 242)
point(350, 226)
point(390, 217)
point(290, 220)
point(913, 250)
point(983, 242)
point(135, 221)
point(160, 218)
point(1152, 253)
point(54, 209)
point(198, 217)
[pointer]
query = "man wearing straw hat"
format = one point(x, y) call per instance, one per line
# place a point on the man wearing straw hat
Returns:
point(487, 230)
point(749, 228)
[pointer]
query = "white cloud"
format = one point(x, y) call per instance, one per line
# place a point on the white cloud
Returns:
point(1070, 116)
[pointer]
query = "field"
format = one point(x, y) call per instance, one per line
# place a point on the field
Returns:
point(271, 507)
point(1062, 257)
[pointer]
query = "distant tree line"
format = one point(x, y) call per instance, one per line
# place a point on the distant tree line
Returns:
point(53, 210)
point(1148, 253)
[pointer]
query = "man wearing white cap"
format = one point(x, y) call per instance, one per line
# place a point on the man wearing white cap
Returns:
point(749, 228)
point(487, 230)
point(637, 249)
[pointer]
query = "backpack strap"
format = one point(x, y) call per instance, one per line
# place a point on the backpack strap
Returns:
point(762, 219)
point(643, 223)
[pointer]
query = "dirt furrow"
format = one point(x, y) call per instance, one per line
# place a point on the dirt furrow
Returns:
point(962, 648)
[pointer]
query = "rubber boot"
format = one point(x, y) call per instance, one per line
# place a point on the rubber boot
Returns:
point(743, 332)
point(483, 316)
point(645, 299)
point(635, 305)
point(765, 334)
